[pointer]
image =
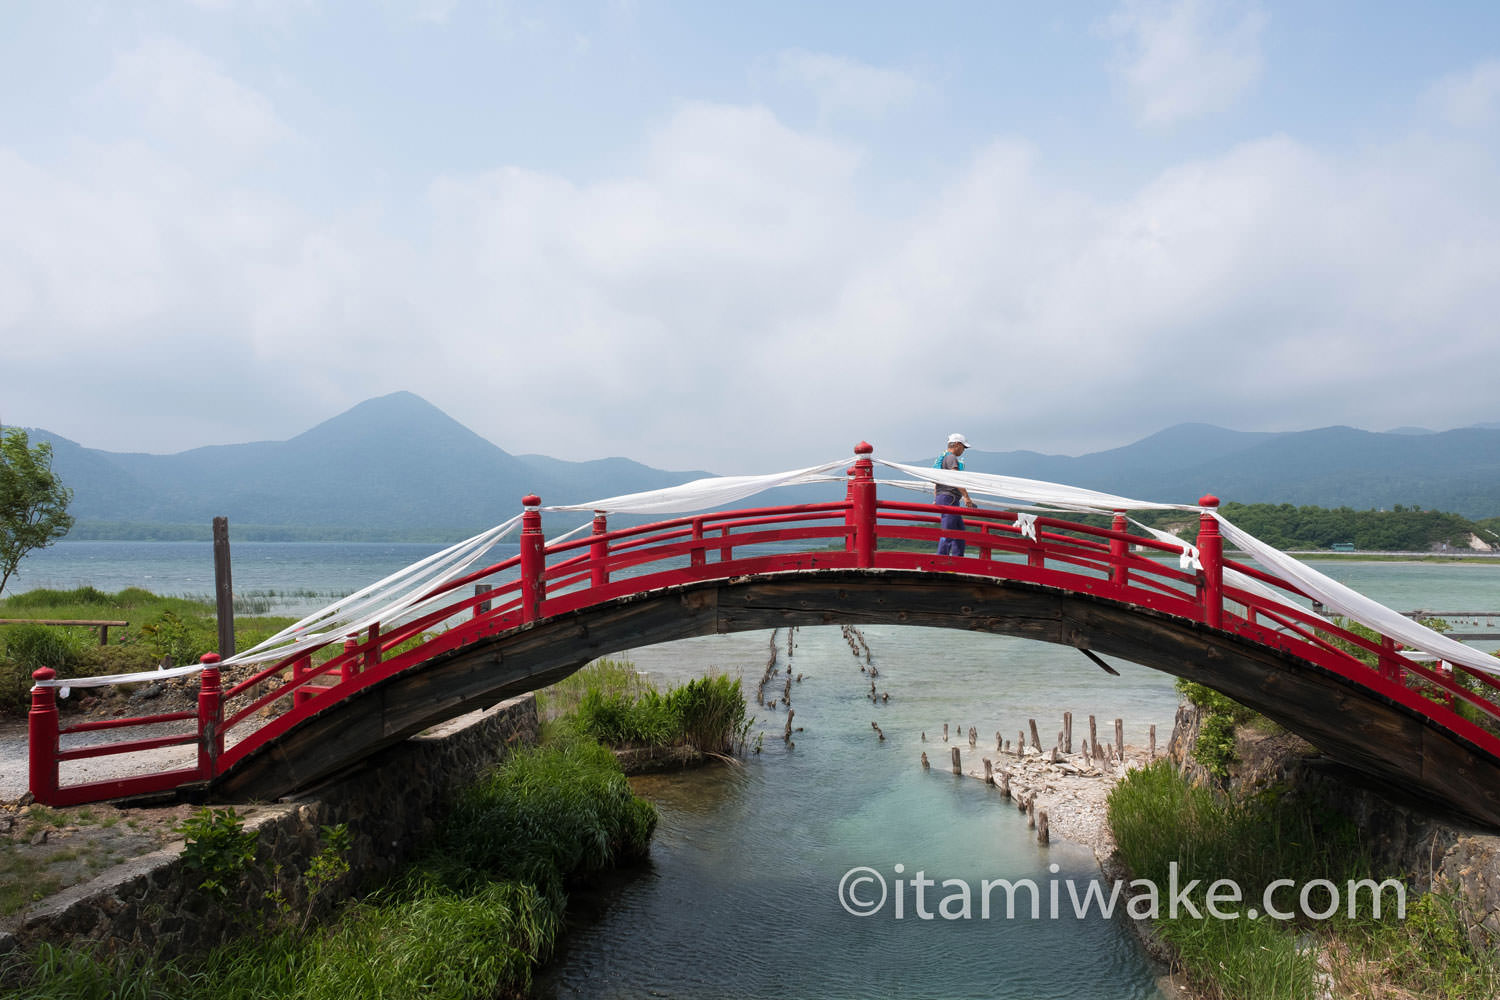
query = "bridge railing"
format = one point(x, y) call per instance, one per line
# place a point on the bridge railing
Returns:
point(860, 531)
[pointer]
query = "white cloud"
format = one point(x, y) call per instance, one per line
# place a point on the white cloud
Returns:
point(732, 302)
point(846, 86)
point(1180, 59)
point(1470, 99)
point(185, 98)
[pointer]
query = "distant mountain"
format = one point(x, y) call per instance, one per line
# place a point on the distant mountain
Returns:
point(1457, 471)
point(392, 467)
point(397, 467)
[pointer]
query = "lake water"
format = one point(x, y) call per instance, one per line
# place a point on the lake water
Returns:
point(740, 898)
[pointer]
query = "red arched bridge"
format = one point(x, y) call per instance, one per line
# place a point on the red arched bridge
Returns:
point(1428, 727)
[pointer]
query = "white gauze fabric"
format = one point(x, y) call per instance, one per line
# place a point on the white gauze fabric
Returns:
point(386, 600)
point(702, 494)
point(1354, 605)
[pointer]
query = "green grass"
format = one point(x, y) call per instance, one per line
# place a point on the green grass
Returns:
point(179, 627)
point(1158, 819)
point(473, 918)
point(707, 713)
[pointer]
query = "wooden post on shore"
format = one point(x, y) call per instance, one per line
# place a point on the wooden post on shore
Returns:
point(1005, 783)
point(1068, 733)
point(989, 771)
point(1120, 739)
point(1020, 744)
point(1093, 735)
point(1043, 837)
point(1031, 811)
point(999, 744)
point(1036, 742)
point(223, 587)
point(1152, 750)
point(957, 766)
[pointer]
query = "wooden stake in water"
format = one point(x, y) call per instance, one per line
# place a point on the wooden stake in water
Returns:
point(989, 771)
point(1068, 733)
point(1043, 837)
point(926, 764)
point(1036, 741)
point(957, 767)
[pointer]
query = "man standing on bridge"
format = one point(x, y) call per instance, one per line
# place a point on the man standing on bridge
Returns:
point(949, 496)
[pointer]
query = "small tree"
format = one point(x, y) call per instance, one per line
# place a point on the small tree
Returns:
point(33, 502)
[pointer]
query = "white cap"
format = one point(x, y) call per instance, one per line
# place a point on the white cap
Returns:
point(958, 439)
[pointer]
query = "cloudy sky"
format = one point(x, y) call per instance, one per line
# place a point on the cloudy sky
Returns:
point(743, 237)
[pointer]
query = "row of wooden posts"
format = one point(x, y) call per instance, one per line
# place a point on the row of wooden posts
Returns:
point(1064, 745)
point(1037, 818)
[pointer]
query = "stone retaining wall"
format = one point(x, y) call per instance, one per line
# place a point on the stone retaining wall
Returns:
point(389, 802)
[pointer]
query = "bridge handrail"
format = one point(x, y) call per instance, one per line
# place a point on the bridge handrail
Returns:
point(551, 578)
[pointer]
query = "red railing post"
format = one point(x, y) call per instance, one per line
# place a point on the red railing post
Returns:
point(42, 738)
point(726, 550)
point(862, 486)
point(599, 550)
point(372, 647)
point(696, 556)
point(210, 717)
point(984, 547)
point(301, 667)
point(849, 525)
point(1211, 554)
point(1390, 669)
point(1119, 550)
point(350, 667)
point(533, 558)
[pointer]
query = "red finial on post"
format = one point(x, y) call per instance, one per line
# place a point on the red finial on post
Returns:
point(41, 731)
point(1211, 554)
point(862, 490)
point(210, 717)
point(533, 558)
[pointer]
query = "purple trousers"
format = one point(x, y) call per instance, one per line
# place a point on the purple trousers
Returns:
point(951, 522)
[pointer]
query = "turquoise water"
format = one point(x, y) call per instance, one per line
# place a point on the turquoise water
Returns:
point(740, 898)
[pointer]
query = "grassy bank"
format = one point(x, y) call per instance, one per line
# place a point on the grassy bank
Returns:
point(160, 627)
point(473, 918)
point(1159, 820)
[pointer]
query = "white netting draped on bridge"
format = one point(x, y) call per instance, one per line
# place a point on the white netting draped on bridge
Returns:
point(405, 594)
point(1322, 588)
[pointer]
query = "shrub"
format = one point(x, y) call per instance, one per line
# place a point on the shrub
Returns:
point(711, 711)
point(548, 816)
point(35, 646)
point(620, 720)
point(184, 641)
point(219, 849)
